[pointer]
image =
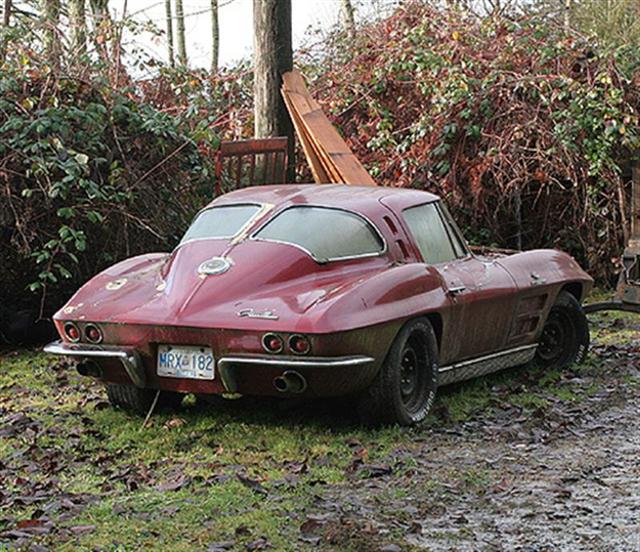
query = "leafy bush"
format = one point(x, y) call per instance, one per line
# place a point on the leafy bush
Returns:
point(527, 131)
point(88, 175)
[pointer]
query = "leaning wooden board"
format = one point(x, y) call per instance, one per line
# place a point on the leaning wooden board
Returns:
point(334, 156)
point(330, 158)
point(318, 170)
point(301, 104)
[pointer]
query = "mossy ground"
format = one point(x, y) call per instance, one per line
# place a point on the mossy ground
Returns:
point(78, 474)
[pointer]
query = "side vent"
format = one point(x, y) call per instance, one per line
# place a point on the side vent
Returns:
point(403, 248)
point(390, 224)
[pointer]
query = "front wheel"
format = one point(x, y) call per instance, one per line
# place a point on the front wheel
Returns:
point(565, 335)
point(405, 387)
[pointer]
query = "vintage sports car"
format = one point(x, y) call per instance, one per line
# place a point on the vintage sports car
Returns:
point(317, 291)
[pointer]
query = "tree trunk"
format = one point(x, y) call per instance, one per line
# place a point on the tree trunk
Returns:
point(272, 56)
point(348, 18)
point(77, 18)
point(567, 15)
point(102, 26)
point(215, 36)
point(6, 15)
point(167, 8)
point(107, 36)
point(116, 43)
point(6, 20)
point(182, 47)
point(51, 20)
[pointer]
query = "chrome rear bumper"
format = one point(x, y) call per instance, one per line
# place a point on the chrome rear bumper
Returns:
point(128, 356)
point(227, 365)
point(307, 362)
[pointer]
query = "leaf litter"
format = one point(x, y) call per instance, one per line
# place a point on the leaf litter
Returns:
point(521, 459)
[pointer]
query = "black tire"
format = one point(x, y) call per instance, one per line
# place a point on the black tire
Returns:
point(565, 335)
point(405, 386)
point(136, 400)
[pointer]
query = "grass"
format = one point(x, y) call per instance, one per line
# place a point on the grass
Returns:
point(208, 448)
point(240, 474)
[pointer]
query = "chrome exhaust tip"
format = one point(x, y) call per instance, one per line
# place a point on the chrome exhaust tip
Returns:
point(290, 382)
point(280, 384)
point(89, 368)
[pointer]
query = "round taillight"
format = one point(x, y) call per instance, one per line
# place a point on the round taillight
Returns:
point(299, 344)
point(272, 343)
point(72, 332)
point(93, 333)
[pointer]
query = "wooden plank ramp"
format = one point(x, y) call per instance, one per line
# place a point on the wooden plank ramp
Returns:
point(330, 158)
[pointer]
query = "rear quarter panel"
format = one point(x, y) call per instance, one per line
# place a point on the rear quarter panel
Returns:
point(387, 299)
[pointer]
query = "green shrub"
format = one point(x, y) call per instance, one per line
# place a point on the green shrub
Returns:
point(88, 176)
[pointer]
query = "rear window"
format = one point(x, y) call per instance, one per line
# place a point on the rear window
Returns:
point(326, 234)
point(220, 222)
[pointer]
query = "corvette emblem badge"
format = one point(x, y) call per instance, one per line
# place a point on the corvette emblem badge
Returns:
point(214, 266)
point(250, 313)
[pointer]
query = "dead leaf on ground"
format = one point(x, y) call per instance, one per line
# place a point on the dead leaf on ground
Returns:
point(252, 484)
point(174, 422)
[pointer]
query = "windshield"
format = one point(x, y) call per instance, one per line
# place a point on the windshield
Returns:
point(326, 234)
point(220, 222)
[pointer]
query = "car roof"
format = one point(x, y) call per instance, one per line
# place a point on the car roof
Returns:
point(350, 197)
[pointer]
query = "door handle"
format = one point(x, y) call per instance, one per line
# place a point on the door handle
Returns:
point(537, 280)
point(456, 290)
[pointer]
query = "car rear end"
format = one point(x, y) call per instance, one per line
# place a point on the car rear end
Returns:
point(218, 361)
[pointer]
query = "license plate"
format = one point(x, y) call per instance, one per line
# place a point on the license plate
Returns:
point(176, 361)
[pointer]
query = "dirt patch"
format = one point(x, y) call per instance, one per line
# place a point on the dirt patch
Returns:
point(565, 476)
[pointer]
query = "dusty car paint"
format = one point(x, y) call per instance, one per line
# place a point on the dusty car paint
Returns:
point(477, 305)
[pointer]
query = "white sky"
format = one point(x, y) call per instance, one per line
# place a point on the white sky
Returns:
point(235, 21)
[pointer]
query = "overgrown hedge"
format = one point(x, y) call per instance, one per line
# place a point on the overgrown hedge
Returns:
point(527, 130)
point(88, 176)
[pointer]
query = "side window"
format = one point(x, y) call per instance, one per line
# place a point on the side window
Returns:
point(428, 231)
point(459, 243)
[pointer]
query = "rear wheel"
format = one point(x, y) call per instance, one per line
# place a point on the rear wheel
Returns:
point(565, 335)
point(405, 386)
point(139, 401)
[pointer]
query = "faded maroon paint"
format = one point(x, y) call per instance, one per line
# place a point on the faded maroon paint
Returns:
point(251, 380)
point(351, 307)
point(166, 289)
point(540, 275)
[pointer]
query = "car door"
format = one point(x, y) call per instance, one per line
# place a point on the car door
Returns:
point(481, 293)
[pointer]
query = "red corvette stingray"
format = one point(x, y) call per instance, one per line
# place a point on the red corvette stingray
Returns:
point(322, 290)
